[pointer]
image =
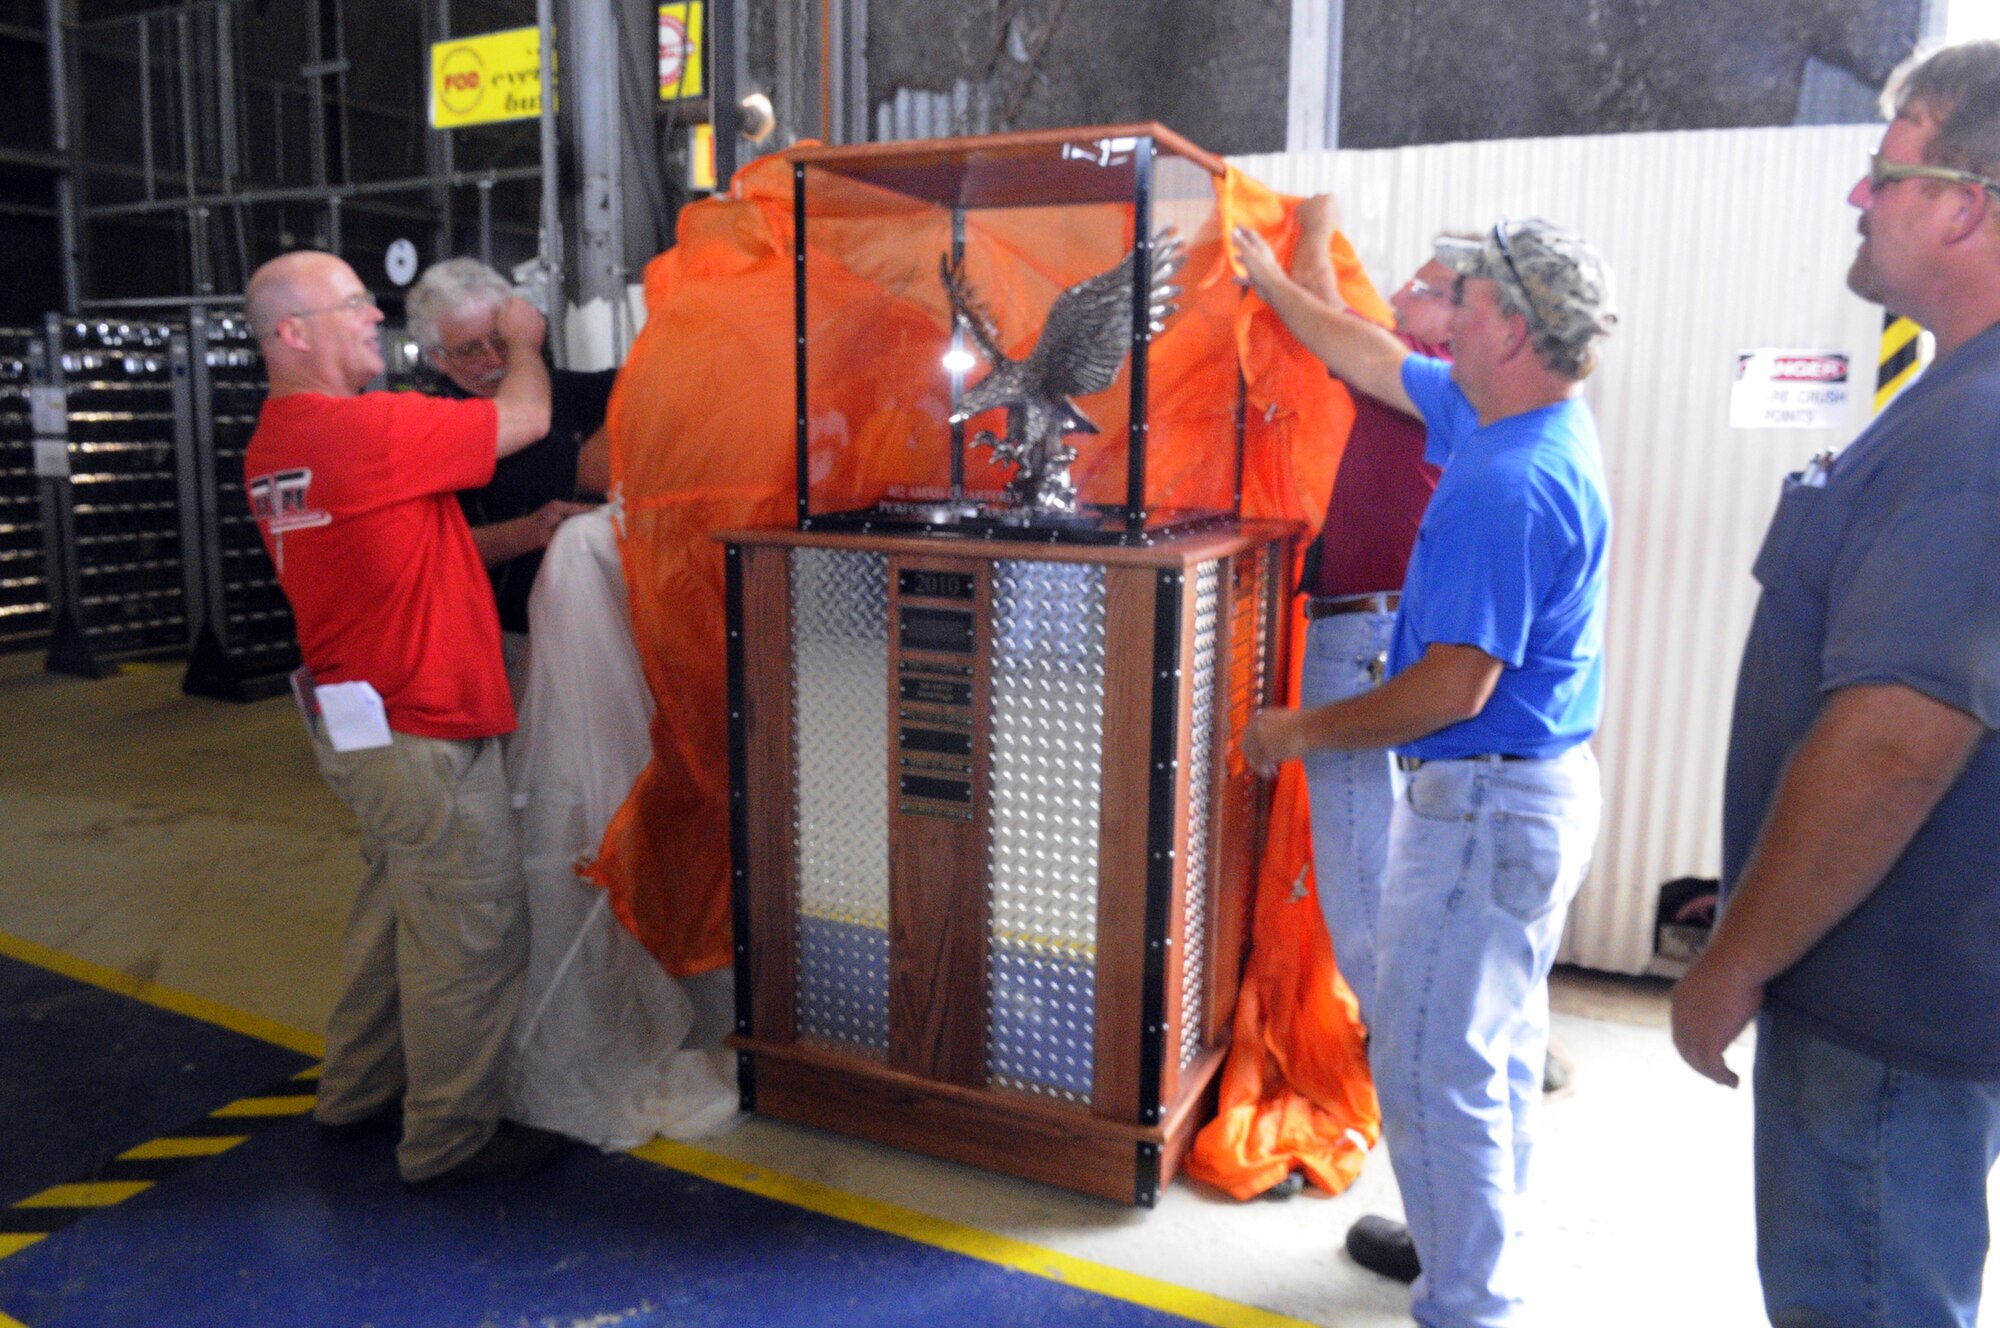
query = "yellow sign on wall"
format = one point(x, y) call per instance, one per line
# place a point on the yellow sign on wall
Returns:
point(701, 157)
point(486, 79)
point(681, 63)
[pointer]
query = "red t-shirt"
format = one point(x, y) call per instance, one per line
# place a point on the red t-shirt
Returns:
point(356, 498)
point(1379, 496)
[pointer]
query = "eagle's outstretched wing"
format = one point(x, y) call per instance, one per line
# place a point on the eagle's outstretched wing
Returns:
point(1089, 328)
point(969, 311)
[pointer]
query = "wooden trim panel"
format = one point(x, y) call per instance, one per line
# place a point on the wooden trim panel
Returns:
point(929, 149)
point(1179, 551)
point(773, 868)
point(938, 902)
point(1072, 1150)
point(1129, 595)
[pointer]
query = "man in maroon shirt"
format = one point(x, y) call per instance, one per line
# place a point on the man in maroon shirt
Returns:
point(1353, 578)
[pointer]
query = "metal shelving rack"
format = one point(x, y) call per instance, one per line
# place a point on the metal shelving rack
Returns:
point(24, 590)
point(244, 644)
point(113, 525)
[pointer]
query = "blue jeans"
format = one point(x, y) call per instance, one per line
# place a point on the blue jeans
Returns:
point(1351, 794)
point(1484, 858)
point(1871, 1186)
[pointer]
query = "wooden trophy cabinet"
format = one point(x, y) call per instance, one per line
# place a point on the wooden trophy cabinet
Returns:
point(994, 839)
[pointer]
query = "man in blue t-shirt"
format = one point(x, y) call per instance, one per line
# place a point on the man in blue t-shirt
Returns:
point(1495, 686)
point(1861, 810)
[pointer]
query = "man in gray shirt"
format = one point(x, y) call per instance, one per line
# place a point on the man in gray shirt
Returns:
point(1861, 857)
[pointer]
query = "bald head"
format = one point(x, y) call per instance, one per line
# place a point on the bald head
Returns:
point(286, 284)
point(315, 323)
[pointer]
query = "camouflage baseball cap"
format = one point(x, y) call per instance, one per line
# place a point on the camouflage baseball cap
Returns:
point(1562, 280)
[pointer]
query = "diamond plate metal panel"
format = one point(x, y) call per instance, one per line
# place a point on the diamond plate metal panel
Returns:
point(1046, 778)
point(840, 727)
point(1201, 774)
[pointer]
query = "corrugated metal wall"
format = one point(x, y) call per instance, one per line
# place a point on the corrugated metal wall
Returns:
point(1722, 241)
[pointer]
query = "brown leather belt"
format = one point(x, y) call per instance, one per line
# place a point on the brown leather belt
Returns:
point(1380, 602)
point(1412, 764)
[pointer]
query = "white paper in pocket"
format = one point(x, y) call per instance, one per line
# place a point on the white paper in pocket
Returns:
point(353, 715)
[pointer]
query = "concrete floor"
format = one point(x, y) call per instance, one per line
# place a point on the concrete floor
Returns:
point(190, 843)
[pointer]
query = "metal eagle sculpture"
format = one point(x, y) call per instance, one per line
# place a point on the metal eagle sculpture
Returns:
point(1083, 342)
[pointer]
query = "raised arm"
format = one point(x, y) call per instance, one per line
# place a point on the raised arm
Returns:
point(1312, 257)
point(1367, 358)
point(523, 398)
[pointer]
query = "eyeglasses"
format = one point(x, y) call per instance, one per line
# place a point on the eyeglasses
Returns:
point(1420, 289)
point(353, 304)
point(1507, 255)
point(468, 350)
point(1882, 173)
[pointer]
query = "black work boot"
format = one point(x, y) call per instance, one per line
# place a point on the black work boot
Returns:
point(515, 1150)
point(1383, 1246)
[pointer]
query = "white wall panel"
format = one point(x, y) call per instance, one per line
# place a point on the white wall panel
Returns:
point(1721, 241)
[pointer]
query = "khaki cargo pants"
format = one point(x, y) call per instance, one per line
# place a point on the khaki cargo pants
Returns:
point(436, 949)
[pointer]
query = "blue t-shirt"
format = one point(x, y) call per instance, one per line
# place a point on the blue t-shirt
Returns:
point(1510, 559)
point(1886, 569)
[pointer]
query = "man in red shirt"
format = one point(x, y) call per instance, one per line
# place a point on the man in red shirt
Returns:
point(354, 493)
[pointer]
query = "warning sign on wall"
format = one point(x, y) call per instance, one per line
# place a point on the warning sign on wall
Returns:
point(680, 51)
point(1789, 389)
point(486, 79)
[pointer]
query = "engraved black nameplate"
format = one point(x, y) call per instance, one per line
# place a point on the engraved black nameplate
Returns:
point(935, 691)
point(938, 790)
point(936, 585)
point(945, 631)
point(937, 740)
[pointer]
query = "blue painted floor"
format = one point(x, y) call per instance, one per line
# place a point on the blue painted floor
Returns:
point(284, 1229)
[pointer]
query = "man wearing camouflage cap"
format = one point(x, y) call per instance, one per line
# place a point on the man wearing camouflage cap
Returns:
point(1495, 687)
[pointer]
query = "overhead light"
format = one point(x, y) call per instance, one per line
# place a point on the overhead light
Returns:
point(754, 117)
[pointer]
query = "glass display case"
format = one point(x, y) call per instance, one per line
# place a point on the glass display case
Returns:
point(1018, 336)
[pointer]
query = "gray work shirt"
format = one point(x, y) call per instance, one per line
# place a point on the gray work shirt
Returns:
point(1885, 568)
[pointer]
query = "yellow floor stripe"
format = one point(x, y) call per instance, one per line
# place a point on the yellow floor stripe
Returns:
point(13, 1242)
point(199, 1146)
point(1034, 1260)
point(180, 1002)
point(1198, 1306)
point(85, 1194)
point(266, 1106)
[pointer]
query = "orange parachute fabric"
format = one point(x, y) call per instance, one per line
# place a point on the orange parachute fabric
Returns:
point(1295, 1092)
point(703, 428)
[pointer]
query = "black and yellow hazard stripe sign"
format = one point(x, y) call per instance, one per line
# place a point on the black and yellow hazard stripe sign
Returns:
point(1905, 351)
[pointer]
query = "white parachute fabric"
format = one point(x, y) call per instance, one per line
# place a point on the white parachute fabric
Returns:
point(610, 1048)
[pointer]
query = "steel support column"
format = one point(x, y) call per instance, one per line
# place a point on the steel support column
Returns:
point(68, 181)
point(551, 250)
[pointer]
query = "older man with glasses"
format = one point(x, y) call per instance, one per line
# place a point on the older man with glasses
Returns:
point(454, 317)
point(1494, 688)
point(1860, 922)
point(353, 494)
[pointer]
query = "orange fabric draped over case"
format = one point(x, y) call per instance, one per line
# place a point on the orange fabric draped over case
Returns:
point(703, 436)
